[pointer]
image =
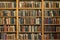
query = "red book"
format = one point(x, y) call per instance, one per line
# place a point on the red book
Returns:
point(23, 28)
point(5, 28)
point(57, 21)
point(55, 36)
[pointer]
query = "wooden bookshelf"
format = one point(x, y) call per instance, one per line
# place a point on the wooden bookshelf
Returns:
point(30, 19)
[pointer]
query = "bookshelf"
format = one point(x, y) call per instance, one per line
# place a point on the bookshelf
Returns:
point(29, 19)
point(51, 20)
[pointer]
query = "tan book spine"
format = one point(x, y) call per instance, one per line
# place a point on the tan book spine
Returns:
point(32, 28)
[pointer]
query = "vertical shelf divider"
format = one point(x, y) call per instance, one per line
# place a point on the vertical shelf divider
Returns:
point(17, 19)
point(42, 19)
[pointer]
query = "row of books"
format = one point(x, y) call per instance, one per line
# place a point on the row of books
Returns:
point(7, 4)
point(30, 28)
point(52, 13)
point(30, 21)
point(7, 28)
point(7, 13)
point(7, 20)
point(52, 21)
point(52, 36)
point(30, 13)
point(52, 4)
point(30, 36)
point(30, 4)
point(5, 36)
point(52, 28)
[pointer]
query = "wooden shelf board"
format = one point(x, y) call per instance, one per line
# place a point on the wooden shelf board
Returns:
point(53, 8)
point(29, 8)
point(51, 32)
point(52, 24)
point(30, 16)
point(52, 16)
point(31, 24)
point(8, 16)
point(7, 32)
point(30, 32)
point(7, 8)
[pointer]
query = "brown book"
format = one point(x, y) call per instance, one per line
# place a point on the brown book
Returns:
point(57, 21)
point(39, 28)
point(5, 28)
point(26, 36)
point(53, 4)
point(57, 29)
point(21, 36)
point(47, 36)
point(32, 20)
point(7, 20)
point(24, 21)
point(11, 29)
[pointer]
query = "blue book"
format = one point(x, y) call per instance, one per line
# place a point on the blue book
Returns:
point(48, 12)
point(5, 13)
point(40, 21)
point(26, 28)
point(55, 28)
point(12, 20)
point(49, 21)
point(21, 21)
point(12, 13)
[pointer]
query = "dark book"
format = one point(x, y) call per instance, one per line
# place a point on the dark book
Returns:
point(54, 12)
point(39, 36)
point(40, 20)
point(21, 21)
point(5, 13)
point(59, 12)
point(12, 13)
point(35, 37)
point(29, 36)
point(48, 12)
point(57, 4)
point(26, 28)
point(0, 35)
point(20, 13)
point(12, 21)
point(35, 28)
point(47, 4)
point(49, 21)
point(22, 28)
